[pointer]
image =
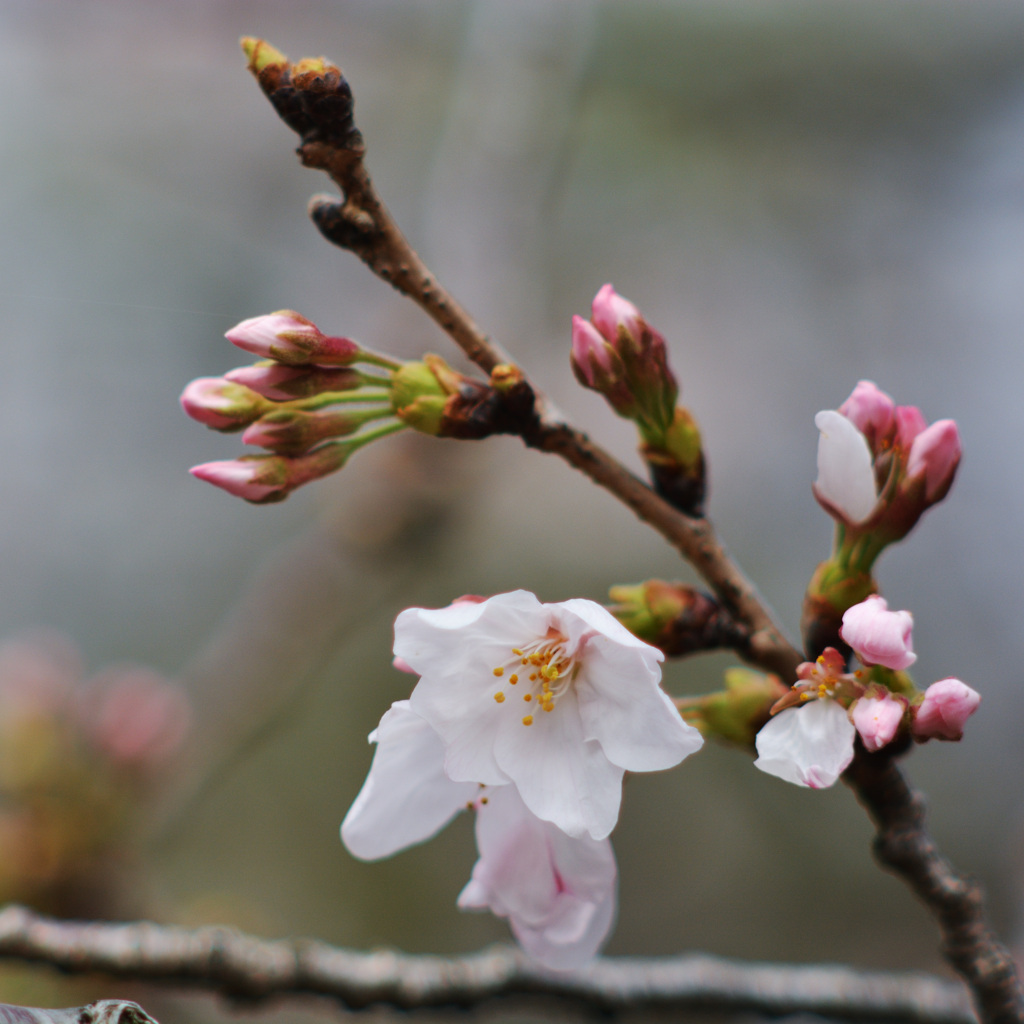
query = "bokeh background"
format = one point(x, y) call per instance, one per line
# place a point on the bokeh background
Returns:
point(799, 194)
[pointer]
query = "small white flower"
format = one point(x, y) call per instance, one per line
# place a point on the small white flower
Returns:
point(810, 745)
point(846, 472)
point(559, 699)
point(558, 893)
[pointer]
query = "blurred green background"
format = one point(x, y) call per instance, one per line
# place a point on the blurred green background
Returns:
point(797, 194)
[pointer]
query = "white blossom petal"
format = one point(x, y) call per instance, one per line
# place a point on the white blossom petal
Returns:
point(846, 474)
point(558, 893)
point(808, 746)
point(406, 797)
point(562, 777)
point(559, 699)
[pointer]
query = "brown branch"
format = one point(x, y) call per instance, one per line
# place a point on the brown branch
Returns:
point(106, 1011)
point(244, 968)
point(313, 98)
point(904, 847)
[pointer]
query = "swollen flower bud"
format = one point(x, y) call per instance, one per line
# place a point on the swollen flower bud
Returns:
point(944, 710)
point(934, 455)
point(262, 479)
point(294, 431)
point(222, 404)
point(879, 636)
point(878, 719)
point(290, 338)
point(625, 360)
point(871, 411)
point(282, 383)
point(417, 397)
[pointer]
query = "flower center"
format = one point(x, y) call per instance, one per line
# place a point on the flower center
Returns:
point(541, 671)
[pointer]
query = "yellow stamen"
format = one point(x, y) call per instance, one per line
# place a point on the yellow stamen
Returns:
point(527, 697)
point(499, 671)
point(513, 679)
point(499, 697)
point(528, 720)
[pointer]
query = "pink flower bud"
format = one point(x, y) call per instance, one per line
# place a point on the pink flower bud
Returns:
point(878, 719)
point(221, 404)
point(935, 455)
point(282, 383)
point(879, 636)
point(592, 360)
point(292, 431)
point(945, 708)
point(262, 479)
point(290, 338)
point(610, 313)
point(910, 422)
point(871, 411)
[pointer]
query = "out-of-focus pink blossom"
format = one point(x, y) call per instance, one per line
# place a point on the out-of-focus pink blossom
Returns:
point(910, 422)
point(221, 404)
point(879, 636)
point(610, 313)
point(878, 719)
point(135, 716)
point(288, 337)
point(935, 455)
point(942, 713)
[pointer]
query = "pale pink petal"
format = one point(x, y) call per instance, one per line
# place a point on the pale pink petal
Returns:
point(808, 746)
point(238, 477)
point(406, 797)
point(558, 893)
point(945, 709)
point(562, 777)
point(879, 636)
point(910, 422)
point(878, 719)
point(846, 475)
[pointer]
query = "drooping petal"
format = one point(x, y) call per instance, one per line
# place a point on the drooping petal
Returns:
point(562, 777)
point(808, 746)
point(406, 797)
point(558, 893)
point(879, 636)
point(846, 475)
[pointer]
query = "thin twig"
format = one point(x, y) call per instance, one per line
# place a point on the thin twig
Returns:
point(245, 968)
point(904, 846)
point(106, 1011)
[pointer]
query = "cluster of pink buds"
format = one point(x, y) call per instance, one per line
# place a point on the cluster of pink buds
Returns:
point(619, 355)
point(880, 465)
point(810, 738)
point(310, 402)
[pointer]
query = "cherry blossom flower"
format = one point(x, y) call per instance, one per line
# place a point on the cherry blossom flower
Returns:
point(809, 746)
point(944, 710)
point(559, 699)
point(879, 636)
point(558, 893)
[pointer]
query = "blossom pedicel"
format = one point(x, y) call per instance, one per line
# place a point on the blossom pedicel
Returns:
point(558, 893)
point(558, 699)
